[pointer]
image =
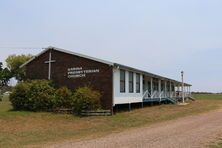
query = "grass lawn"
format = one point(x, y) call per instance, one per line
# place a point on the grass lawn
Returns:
point(19, 128)
point(217, 144)
point(207, 96)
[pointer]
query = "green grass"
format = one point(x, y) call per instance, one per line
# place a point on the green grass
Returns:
point(208, 96)
point(219, 145)
point(216, 145)
point(20, 128)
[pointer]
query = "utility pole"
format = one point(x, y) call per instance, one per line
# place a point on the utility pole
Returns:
point(182, 73)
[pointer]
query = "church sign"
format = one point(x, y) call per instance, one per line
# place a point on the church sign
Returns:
point(79, 72)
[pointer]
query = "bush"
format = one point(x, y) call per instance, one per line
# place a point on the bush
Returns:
point(19, 96)
point(85, 98)
point(1, 95)
point(36, 95)
point(62, 98)
point(39, 95)
point(5, 89)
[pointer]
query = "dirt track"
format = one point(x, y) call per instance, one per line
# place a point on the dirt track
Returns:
point(193, 131)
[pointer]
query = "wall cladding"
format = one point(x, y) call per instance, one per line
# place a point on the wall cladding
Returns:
point(101, 81)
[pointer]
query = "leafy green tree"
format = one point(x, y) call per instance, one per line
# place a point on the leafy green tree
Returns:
point(14, 62)
point(5, 76)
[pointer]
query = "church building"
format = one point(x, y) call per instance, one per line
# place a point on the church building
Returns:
point(117, 83)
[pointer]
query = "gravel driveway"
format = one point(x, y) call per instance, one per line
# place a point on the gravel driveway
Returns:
point(189, 132)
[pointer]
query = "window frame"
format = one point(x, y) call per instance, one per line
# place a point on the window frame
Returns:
point(122, 82)
point(138, 83)
point(131, 82)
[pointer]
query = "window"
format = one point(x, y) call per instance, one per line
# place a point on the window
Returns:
point(149, 88)
point(155, 84)
point(162, 86)
point(168, 86)
point(173, 87)
point(131, 82)
point(122, 81)
point(137, 83)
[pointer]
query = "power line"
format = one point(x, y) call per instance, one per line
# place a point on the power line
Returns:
point(5, 47)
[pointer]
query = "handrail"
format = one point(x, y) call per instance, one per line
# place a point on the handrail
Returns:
point(146, 94)
point(160, 95)
point(154, 93)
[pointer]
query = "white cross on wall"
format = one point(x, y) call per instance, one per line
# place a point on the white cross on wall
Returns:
point(50, 61)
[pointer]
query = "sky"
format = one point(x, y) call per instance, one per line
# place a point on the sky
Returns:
point(162, 37)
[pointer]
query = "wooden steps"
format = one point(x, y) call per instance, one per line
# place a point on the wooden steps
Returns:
point(96, 113)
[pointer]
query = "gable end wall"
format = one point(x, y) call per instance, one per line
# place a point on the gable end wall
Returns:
point(101, 81)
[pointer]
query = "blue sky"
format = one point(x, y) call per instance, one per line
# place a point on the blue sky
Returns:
point(162, 37)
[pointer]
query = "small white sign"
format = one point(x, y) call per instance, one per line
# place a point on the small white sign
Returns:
point(78, 72)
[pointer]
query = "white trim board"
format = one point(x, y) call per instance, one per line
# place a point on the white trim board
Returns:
point(116, 65)
point(68, 52)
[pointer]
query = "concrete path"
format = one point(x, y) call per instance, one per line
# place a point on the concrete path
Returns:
point(189, 132)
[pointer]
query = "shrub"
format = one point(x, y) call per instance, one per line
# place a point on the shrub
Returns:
point(62, 98)
point(39, 95)
point(36, 95)
point(85, 98)
point(19, 96)
point(1, 95)
point(4, 89)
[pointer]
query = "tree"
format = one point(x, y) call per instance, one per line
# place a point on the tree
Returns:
point(1, 66)
point(5, 76)
point(14, 62)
